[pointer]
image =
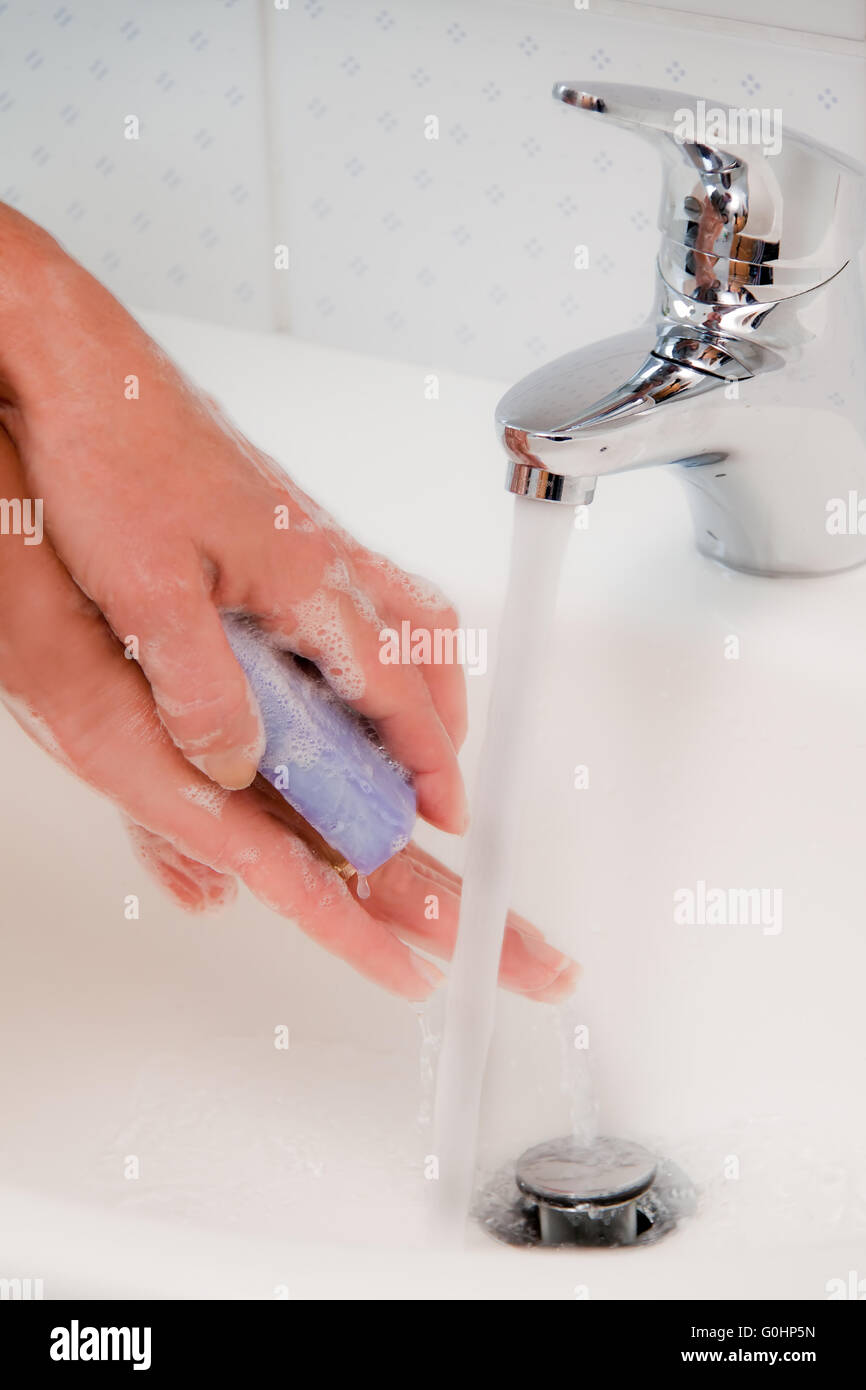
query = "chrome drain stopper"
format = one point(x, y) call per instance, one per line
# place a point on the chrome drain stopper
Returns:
point(610, 1192)
point(586, 1194)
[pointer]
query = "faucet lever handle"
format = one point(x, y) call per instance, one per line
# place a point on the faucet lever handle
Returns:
point(733, 182)
point(659, 115)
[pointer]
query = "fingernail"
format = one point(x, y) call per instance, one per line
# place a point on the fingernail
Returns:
point(560, 971)
point(561, 986)
point(231, 770)
point(431, 975)
point(542, 951)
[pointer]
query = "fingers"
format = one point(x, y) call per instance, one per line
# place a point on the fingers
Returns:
point(337, 631)
point(309, 891)
point(401, 707)
point(69, 685)
point(106, 730)
point(420, 898)
point(401, 597)
point(238, 835)
point(194, 886)
point(295, 882)
point(173, 629)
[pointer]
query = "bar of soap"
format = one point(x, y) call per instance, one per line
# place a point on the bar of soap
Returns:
point(322, 756)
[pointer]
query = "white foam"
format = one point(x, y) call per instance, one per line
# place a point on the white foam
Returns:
point(320, 624)
point(297, 742)
point(314, 878)
point(337, 577)
point(421, 592)
point(209, 797)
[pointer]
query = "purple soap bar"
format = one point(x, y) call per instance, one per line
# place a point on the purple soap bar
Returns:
point(322, 756)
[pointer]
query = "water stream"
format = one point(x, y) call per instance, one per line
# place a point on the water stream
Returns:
point(538, 544)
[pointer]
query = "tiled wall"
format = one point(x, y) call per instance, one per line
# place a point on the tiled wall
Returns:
point(178, 219)
point(454, 251)
point(459, 251)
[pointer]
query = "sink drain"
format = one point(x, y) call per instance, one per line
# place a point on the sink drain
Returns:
point(610, 1192)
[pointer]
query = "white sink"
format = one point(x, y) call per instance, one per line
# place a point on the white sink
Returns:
point(727, 1048)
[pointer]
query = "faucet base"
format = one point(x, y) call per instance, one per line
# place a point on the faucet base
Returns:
point(770, 515)
point(774, 512)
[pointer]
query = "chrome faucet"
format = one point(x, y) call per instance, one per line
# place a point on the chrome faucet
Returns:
point(750, 375)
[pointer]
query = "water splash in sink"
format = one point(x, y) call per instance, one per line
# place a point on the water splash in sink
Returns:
point(539, 540)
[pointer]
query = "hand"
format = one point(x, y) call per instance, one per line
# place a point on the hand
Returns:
point(68, 682)
point(163, 514)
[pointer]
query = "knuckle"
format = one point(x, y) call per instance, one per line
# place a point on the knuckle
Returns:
point(203, 717)
point(219, 851)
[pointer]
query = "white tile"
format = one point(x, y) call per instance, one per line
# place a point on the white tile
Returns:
point(177, 220)
point(841, 19)
point(459, 251)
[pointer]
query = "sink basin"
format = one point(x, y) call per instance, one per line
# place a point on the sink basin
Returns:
point(735, 1051)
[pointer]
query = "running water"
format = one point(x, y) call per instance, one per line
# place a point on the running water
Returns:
point(538, 544)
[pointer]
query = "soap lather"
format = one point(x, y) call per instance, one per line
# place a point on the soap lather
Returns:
point(321, 759)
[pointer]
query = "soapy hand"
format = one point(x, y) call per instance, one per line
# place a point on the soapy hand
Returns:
point(164, 514)
point(67, 681)
point(158, 514)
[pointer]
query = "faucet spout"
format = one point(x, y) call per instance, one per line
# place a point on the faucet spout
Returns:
point(604, 409)
point(749, 378)
point(769, 441)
